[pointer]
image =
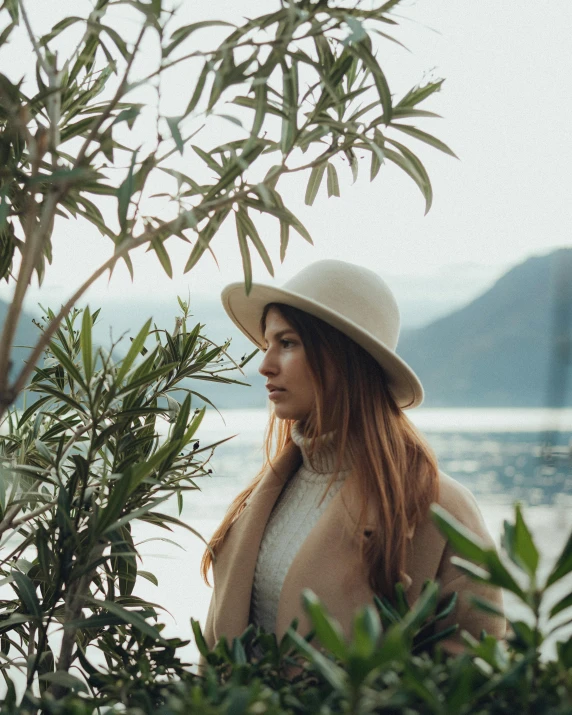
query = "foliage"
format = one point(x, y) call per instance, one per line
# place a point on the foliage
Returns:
point(388, 665)
point(105, 443)
point(303, 79)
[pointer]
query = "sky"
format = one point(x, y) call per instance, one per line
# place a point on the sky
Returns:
point(506, 112)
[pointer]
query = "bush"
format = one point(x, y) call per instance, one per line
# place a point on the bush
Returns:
point(390, 664)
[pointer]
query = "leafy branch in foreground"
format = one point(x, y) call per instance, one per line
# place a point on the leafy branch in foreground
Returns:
point(105, 443)
point(301, 89)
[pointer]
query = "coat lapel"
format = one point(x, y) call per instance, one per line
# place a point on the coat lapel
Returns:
point(327, 563)
point(233, 571)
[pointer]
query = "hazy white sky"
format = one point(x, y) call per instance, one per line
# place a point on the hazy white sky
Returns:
point(506, 109)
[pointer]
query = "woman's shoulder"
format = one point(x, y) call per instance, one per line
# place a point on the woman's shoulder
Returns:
point(460, 502)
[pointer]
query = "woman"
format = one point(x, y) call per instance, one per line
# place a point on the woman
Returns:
point(342, 507)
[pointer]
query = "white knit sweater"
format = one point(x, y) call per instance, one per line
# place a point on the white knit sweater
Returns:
point(295, 513)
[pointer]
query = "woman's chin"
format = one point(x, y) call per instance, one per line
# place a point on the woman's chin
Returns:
point(283, 413)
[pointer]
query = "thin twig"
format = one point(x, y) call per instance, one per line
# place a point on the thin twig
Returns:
point(14, 510)
point(33, 514)
point(41, 58)
point(127, 246)
point(113, 103)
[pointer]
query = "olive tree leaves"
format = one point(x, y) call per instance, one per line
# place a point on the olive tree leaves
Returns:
point(106, 443)
point(301, 90)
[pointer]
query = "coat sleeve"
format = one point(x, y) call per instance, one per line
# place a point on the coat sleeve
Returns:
point(461, 503)
point(208, 631)
point(466, 615)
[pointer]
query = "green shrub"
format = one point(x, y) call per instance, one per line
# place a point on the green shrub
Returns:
point(389, 665)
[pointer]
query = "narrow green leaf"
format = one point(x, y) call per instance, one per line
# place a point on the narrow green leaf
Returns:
point(327, 628)
point(332, 673)
point(86, 349)
point(116, 38)
point(180, 426)
point(119, 494)
point(260, 98)
point(377, 153)
point(483, 605)
point(28, 594)
point(463, 541)
point(162, 255)
point(13, 9)
point(424, 137)
point(31, 411)
point(289, 107)
point(252, 103)
point(157, 517)
point(138, 473)
point(65, 679)
point(67, 363)
point(314, 182)
point(136, 382)
point(149, 577)
point(124, 193)
point(58, 394)
point(136, 514)
point(250, 229)
point(284, 238)
point(133, 352)
point(333, 183)
point(208, 159)
point(562, 605)
point(204, 238)
point(525, 550)
point(244, 253)
point(563, 565)
point(128, 617)
point(198, 89)
point(364, 53)
point(418, 94)
point(173, 124)
point(406, 166)
point(182, 33)
point(366, 632)
point(199, 638)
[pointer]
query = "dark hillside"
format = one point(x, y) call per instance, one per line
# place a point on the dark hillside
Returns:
point(501, 349)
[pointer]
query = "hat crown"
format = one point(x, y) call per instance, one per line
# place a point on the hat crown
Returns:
point(356, 294)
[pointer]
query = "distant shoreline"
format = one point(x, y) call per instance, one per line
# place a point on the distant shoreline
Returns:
point(428, 419)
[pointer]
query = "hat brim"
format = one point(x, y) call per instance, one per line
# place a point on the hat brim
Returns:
point(246, 311)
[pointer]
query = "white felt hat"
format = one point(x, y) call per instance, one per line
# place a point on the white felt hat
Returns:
point(353, 299)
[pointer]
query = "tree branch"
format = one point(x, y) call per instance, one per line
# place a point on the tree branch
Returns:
point(128, 245)
point(41, 58)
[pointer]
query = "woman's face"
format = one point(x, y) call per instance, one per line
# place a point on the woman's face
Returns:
point(285, 367)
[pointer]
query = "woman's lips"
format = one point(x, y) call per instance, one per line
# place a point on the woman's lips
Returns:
point(275, 393)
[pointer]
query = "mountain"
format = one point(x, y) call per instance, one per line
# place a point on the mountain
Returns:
point(508, 348)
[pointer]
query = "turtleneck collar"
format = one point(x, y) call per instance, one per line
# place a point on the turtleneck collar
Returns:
point(321, 459)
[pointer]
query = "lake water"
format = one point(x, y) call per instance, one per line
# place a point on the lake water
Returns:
point(502, 455)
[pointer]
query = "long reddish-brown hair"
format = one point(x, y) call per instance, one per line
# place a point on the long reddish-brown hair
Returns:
point(396, 470)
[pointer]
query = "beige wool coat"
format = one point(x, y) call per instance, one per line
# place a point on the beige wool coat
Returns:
point(329, 564)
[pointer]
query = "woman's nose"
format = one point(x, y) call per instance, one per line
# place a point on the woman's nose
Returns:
point(267, 366)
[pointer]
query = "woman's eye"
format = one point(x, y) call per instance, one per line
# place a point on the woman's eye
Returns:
point(286, 343)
